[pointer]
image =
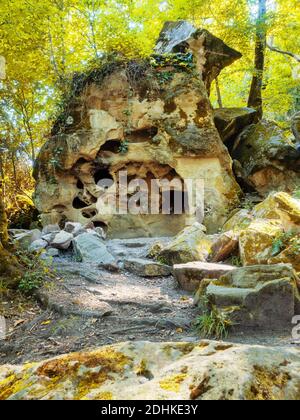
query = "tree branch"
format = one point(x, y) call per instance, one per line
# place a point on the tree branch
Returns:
point(296, 57)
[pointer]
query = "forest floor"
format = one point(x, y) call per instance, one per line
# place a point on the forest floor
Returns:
point(84, 307)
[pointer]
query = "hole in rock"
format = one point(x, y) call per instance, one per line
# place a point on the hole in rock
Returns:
point(104, 176)
point(100, 224)
point(89, 214)
point(141, 136)
point(79, 204)
point(80, 185)
point(111, 146)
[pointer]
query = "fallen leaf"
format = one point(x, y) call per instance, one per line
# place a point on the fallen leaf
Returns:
point(46, 322)
point(19, 322)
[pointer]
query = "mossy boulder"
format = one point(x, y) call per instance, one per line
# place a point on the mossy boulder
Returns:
point(192, 244)
point(256, 242)
point(268, 158)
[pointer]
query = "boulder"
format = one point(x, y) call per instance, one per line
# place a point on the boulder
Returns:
point(269, 160)
point(90, 248)
point(62, 240)
point(257, 241)
point(224, 247)
point(24, 240)
point(258, 296)
point(53, 252)
point(230, 122)
point(238, 221)
point(205, 370)
point(54, 228)
point(74, 228)
point(280, 206)
point(192, 244)
point(38, 245)
point(290, 255)
point(146, 268)
point(190, 275)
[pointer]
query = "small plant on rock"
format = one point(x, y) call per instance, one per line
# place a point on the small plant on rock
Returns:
point(213, 324)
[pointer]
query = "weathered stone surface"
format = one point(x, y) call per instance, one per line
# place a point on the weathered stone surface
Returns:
point(238, 222)
point(54, 228)
point(74, 228)
point(38, 245)
point(281, 206)
point(259, 296)
point(147, 268)
point(231, 121)
point(224, 247)
point(53, 252)
point(192, 244)
point(24, 240)
point(212, 55)
point(90, 248)
point(159, 371)
point(269, 160)
point(190, 275)
point(62, 240)
point(151, 128)
point(257, 241)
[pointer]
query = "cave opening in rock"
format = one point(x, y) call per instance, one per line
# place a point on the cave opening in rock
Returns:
point(112, 146)
point(141, 136)
point(89, 213)
point(80, 185)
point(102, 175)
point(78, 204)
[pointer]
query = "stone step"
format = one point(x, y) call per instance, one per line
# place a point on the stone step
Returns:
point(190, 275)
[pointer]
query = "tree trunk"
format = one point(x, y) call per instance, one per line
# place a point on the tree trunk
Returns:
point(255, 97)
point(10, 269)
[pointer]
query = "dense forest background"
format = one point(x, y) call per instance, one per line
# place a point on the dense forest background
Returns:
point(44, 42)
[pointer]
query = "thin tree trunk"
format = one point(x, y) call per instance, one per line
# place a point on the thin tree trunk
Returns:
point(220, 102)
point(255, 97)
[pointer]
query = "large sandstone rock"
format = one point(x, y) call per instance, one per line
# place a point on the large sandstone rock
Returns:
point(189, 276)
point(134, 117)
point(90, 248)
point(257, 241)
point(192, 244)
point(258, 296)
point(62, 240)
point(146, 268)
point(159, 371)
point(231, 121)
point(269, 160)
point(225, 246)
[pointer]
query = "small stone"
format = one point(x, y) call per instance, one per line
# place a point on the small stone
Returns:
point(147, 268)
point(50, 229)
point(38, 245)
point(62, 240)
point(53, 252)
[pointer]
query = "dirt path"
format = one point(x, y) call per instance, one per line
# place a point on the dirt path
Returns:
point(87, 307)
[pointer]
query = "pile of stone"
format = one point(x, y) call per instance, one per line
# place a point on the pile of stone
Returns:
point(265, 242)
point(87, 242)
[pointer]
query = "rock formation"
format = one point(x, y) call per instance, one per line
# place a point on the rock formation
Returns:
point(152, 119)
point(206, 370)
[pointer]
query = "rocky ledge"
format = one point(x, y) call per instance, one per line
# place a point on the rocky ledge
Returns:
point(133, 371)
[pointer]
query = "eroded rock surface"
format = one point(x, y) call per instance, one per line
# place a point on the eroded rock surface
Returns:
point(151, 119)
point(166, 371)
